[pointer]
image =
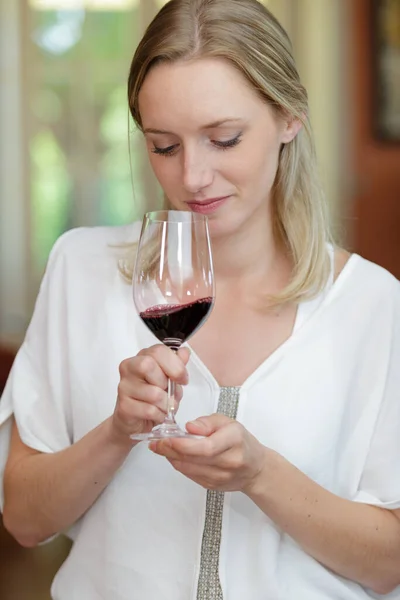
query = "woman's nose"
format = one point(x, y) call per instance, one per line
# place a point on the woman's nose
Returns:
point(197, 172)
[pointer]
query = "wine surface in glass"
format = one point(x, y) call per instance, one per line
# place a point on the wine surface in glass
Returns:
point(172, 324)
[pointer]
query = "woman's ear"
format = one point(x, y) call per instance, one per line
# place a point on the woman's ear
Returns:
point(291, 129)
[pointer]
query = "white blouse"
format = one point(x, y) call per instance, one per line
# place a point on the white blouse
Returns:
point(328, 400)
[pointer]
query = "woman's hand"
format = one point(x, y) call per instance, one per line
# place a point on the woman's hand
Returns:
point(228, 459)
point(142, 396)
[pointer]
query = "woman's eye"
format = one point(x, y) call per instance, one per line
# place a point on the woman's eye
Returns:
point(169, 151)
point(223, 145)
point(228, 143)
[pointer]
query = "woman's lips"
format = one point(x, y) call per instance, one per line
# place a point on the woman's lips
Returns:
point(206, 207)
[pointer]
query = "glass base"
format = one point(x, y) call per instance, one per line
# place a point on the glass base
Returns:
point(163, 431)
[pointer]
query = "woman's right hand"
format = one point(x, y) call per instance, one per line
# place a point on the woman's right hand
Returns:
point(142, 395)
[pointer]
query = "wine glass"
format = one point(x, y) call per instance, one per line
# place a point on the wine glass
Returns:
point(173, 288)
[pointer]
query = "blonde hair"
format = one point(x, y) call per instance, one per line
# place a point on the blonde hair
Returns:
point(247, 35)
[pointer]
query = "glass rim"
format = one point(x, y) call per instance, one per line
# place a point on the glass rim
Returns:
point(155, 216)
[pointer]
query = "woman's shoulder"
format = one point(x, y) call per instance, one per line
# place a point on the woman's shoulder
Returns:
point(362, 277)
point(88, 257)
point(91, 241)
point(340, 259)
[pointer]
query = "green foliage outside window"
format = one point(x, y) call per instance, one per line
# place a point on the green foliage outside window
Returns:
point(79, 155)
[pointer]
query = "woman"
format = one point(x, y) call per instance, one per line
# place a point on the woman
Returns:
point(299, 495)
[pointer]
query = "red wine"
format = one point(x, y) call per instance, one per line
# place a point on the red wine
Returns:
point(172, 324)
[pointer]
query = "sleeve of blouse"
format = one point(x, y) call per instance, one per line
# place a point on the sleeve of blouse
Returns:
point(36, 392)
point(380, 481)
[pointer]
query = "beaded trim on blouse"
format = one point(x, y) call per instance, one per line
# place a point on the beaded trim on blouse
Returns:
point(209, 585)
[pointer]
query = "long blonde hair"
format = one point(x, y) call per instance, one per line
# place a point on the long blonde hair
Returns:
point(247, 35)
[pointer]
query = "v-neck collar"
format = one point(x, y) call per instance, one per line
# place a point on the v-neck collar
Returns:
point(268, 362)
point(306, 312)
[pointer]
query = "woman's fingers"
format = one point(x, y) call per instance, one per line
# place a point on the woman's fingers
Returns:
point(158, 363)
point(142, 390)
point(145, 367)
point(211, 478)
point(133, 410)
point(206, 426)
point(209, 450)
point(184, 354)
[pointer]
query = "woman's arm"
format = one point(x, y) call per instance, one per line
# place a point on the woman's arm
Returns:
point(358, 541)
point(47, 493)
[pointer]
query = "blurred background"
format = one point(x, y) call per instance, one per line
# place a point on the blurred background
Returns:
point(65, 158)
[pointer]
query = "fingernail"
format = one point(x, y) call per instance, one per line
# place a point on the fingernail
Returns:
point(197, 423)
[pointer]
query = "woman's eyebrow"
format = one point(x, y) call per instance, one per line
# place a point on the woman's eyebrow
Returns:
point(208, 126)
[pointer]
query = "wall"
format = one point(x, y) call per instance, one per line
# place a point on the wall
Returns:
point(376, 186)
point(14, 208)
point(320, 37)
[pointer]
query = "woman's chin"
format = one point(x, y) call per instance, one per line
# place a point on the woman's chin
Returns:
point(220, 228)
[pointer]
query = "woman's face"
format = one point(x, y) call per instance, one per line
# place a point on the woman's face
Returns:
point(213, 143)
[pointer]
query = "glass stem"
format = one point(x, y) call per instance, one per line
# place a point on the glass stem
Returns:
point(171, 402)
point(170, 418)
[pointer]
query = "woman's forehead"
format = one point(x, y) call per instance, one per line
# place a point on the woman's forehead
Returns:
point(207, 91)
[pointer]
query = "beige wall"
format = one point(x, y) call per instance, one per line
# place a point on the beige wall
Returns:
point(318, 29)
point(320, 40)
point(14, 209)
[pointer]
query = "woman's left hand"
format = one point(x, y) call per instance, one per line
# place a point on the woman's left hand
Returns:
point(227, 459)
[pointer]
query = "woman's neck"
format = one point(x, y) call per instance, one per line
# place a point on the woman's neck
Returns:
point(252, 256)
